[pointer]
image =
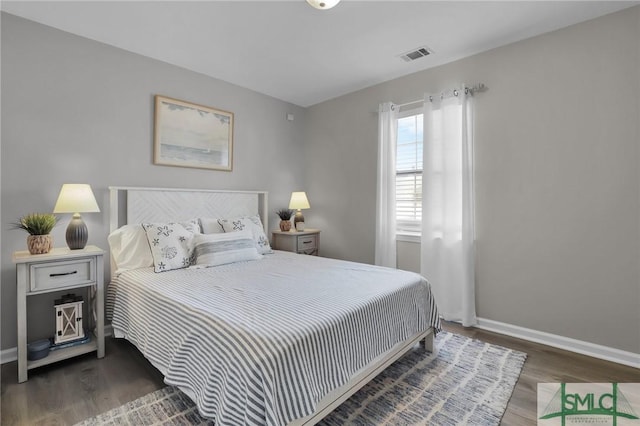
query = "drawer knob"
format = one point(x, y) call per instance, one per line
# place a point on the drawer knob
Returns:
point(63, 274)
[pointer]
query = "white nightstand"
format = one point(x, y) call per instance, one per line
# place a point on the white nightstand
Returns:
point(60, 269)
point(303, 242)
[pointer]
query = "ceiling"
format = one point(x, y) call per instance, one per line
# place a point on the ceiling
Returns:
point(293, 52)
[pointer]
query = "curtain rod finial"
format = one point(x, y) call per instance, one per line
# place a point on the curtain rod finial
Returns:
point(478, 88)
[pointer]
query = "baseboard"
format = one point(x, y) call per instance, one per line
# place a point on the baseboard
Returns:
point(573, 345)
point(8, 355)
point(11, 354)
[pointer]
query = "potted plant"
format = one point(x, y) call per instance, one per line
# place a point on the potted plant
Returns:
point(285, 219)
point(39, 226)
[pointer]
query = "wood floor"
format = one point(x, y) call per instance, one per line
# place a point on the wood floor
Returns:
point(73, 390)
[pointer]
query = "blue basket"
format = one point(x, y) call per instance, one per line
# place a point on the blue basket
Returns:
point(38, 349)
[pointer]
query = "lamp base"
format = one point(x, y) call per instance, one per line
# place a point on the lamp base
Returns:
point(298, 221)
point(77, 233)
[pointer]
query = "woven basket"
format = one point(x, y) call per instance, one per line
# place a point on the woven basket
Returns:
point(285, 225)
point(39, 244)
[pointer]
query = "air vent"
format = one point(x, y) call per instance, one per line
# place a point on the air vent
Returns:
point(418, 53)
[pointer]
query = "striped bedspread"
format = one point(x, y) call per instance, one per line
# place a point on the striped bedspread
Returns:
point(261, 342)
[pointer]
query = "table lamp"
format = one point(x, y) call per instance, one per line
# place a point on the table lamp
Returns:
point(76, 198)
point(299, 201)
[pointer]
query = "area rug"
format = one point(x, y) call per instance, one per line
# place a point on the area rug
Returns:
point(468, 382)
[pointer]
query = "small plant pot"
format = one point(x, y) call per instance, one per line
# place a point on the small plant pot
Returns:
point(39, 244)
point(285, 225)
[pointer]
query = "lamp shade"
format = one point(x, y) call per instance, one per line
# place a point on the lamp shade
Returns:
point(299, 201)
point(323, 4)
point(76, 198)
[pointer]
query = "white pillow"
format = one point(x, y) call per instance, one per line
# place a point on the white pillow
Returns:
point(171, 244)
point(130, 248)
point(210, 226)
point(249, 223)
point(220, 249)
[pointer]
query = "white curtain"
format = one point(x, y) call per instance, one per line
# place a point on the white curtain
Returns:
point(385, 250)
point(448, 232)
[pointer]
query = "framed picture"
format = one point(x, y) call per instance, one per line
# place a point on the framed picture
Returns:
point(190, 135)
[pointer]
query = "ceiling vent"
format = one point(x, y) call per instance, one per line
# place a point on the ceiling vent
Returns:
point(418, 53)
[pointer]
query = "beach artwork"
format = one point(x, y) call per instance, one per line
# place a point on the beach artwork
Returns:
point(190, 135)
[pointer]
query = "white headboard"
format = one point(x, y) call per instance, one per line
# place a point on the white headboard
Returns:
point(137, 205)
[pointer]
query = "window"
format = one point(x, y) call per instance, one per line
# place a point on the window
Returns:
point(409, 172)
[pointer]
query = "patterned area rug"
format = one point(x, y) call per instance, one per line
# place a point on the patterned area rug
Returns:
point(469, 382)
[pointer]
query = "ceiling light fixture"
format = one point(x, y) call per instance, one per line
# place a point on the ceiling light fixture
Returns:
point(323, 4)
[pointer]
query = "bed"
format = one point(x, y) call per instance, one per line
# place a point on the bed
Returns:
point(273, 339)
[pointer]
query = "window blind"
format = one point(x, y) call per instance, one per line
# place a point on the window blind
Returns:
point(409, 172)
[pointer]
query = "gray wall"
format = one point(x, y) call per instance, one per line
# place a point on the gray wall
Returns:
point(557, 135)
point(558, 185)
point(74, 110)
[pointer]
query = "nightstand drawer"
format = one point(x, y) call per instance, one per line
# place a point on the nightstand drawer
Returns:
point(307, 242)
point(46, 276)
point(301, 242)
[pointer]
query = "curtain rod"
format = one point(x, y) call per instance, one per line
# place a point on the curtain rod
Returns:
point(476, 88)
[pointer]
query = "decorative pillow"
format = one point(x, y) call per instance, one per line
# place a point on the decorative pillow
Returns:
point(130, 248)
point(211, 226)
point(220, 249)
point(249, 223)
point(171, 244)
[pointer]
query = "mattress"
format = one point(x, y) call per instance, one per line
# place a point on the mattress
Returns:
point(261, 342)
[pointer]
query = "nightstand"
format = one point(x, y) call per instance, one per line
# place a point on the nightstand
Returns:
point(60, 269)
point(302, 242)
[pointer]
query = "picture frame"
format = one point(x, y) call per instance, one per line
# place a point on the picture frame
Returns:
point(192, 135)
